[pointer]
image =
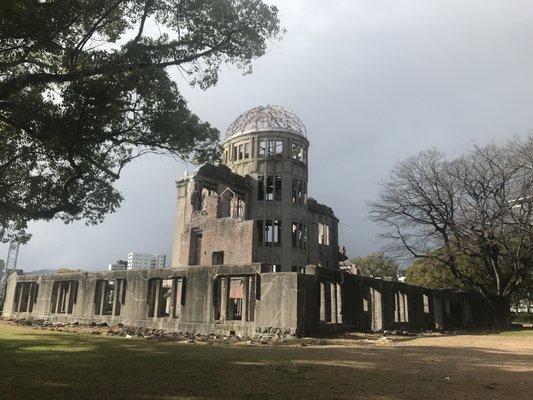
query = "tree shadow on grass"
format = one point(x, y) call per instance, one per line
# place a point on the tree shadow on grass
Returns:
point(41, 367)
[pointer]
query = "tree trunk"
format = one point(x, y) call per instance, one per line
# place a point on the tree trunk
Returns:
point(501, 312)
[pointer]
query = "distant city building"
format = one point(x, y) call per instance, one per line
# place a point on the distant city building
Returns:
point(118, 265)
point(146, 260)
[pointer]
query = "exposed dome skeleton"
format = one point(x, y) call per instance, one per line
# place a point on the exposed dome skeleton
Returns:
point(266, 118)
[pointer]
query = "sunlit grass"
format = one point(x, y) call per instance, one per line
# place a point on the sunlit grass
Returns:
point(521, 332)
point(43, 364)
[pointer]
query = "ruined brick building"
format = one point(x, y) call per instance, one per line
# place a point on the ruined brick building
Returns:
point(252, 254)
point(256, 197)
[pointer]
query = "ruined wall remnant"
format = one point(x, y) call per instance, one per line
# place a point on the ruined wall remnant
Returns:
point(241, 299)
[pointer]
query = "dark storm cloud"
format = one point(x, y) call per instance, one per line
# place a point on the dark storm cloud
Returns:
point(374, 81)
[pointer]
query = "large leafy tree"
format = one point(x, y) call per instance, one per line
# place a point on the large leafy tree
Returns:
point(473, 215)
point(377, 265)
point(430, 273)
point(85, 89)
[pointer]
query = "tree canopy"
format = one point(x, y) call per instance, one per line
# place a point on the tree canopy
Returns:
point(430, 273)
point(473, 214)
point(377, 265)
point(85, 89)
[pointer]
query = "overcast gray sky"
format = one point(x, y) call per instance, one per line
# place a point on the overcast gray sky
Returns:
point(373, 80)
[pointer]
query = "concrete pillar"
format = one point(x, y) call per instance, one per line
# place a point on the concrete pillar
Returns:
point(339, 303)
point(245, 304)
point(224, 300)
point(156, 302)
point(322, 302)
point(377, 310)
point(102, 295)
point(333, 291)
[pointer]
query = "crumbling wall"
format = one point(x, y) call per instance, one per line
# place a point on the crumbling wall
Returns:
point(370, 304)
point(271, 308)
point(239, 299)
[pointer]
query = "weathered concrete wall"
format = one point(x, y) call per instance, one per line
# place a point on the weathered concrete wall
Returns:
point(278, 308)
point(275, 308)
point(374, 304)
point(240, 299)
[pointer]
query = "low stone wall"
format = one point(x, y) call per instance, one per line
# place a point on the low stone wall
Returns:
point(369, 304)
point(240, 300)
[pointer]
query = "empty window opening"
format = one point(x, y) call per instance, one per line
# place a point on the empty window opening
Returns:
point(279, 148)
point(268, 233)
point(238, 206)
point(272, 234)
point(302, 235)
point(266, 268)
point(217, 258)
point(400, 307)
point(64, 296)
point(231, 204)
point(261, 188)
point(299, 235)
point(224, 204)
point(234, 298)
point(246, 150)
point(25, 296)
point(425, 300)
point(196, 200)
point(294, 234)
point(277, 188)
point(165, 297)
point(195, 253)
point(270, 148)
point(109, 296)
point(365, 304)
point(299, 191)
point(269, 189)
point(298, 152)
point(323, 234)
point(200, 193)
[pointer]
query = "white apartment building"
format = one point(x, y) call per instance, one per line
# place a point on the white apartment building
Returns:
point(146, 260)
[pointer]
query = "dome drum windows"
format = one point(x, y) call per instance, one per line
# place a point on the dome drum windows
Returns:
point(269, 188)
point(240, 152)
point(299, 235)
point(299, 191)
point(270, 148)
point(269, 232)
point(298, 153)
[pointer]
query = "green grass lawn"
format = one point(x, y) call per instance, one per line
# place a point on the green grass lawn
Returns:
point(40, 364)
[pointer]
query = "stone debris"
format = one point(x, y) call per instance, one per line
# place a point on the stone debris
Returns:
point(263, 336)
